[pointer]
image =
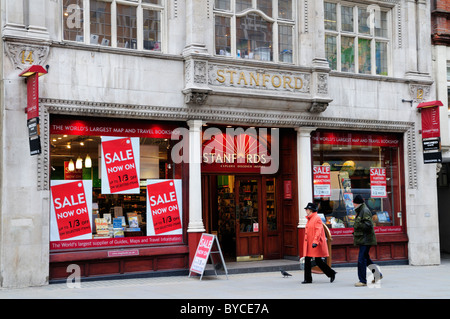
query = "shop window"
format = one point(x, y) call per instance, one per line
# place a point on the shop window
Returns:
point(350, 164)
point(132, 193)
point(73, 20)
point(130, 24)
point(249, 31)
point(357, 38)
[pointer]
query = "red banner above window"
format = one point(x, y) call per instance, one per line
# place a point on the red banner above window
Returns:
point(111, 127)
point(343, 138)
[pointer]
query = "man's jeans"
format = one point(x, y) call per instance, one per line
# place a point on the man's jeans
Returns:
point(363, 262)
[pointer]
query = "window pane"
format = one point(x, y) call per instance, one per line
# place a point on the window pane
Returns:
point(363, 21)
point(347, 54)
point(253, 38)
point(364, 56)
point(285, 43)
point(347, 19)
point(152, 30)
point(241, 5)
point(271, 207)
point(351, 164)
point(126, 27)
point(100, 15)
point(331, 51)
point(330, 16)
point(381, 58)
point(152, 1)
point(222, 4)
point(265, 6)
point(381, 24)
point(223, 39)
point(73, 20)
point(285, 9)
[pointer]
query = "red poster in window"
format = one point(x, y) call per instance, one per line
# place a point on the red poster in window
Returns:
point(322, 180)
point(163, 207)
point(120, 160)
point(70, 208)
point(378, 182)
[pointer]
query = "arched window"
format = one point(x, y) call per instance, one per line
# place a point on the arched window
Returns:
point(255, 29)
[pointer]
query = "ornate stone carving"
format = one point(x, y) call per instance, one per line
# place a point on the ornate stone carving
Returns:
point(259, 79)
point(322, 83)
point(419, 93)
point(317, 107)
point(198, 98)
point(23, 55)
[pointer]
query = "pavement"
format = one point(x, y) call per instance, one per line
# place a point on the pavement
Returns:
point(398, 282)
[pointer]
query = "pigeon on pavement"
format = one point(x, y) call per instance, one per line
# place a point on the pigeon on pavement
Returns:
point(285, 274)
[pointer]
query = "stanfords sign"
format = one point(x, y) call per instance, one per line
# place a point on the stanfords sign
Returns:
point(238, 150)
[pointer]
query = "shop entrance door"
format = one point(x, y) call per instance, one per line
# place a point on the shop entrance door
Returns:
point(248, 218)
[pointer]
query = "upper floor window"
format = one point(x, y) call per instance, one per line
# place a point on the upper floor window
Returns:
point(131, 24)
point(357, 38)
point(255, 29)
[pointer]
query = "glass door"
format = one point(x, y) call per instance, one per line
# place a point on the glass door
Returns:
point(248, 219)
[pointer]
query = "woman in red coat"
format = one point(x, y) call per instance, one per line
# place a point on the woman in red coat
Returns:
point(315, 244)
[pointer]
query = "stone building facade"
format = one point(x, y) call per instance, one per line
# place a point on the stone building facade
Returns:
point(337, 83)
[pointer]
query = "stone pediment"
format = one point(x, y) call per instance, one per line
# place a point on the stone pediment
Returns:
point(216, 82)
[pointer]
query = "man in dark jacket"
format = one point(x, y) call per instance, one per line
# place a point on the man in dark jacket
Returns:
point(364, 237)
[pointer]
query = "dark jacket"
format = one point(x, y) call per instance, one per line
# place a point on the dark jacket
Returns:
point(363, 233)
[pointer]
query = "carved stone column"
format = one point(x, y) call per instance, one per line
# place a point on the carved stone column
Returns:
point(304, 176)
point(195, 226)
point(196, 13)
point(304, 173)
point(196, 88)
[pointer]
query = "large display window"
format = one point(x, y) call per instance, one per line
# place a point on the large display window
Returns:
point(346, 164)
point(113, 183)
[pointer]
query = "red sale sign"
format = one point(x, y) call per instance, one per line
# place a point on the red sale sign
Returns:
point(71, 207)
point(164, 207)
point(378, 182)
point(120, 165)
point(322, 180)
point(202, 253)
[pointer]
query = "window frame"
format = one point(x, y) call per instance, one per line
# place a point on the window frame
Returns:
point(372, 36)
point(275, 20)
point(140, 7)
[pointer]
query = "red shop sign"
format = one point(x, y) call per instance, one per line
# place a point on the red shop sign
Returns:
point(163, 207)
point(71, 209)
point(244, 152)
point(114, 242)
point(430, 119)
point(32, 74)
point(378, 182)
point(322, 180)
point(202, 253)
point(119, 158)
point(357, 139)
point(112, 127)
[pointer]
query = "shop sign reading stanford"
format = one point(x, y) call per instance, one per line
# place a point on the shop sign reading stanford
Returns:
point(258, 79)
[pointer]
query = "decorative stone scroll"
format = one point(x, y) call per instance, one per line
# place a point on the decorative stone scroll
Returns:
point(24, 55)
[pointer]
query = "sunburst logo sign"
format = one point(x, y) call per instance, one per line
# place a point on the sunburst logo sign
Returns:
point(239, 150)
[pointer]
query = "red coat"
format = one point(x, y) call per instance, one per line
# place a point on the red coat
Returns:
point(315, 234)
